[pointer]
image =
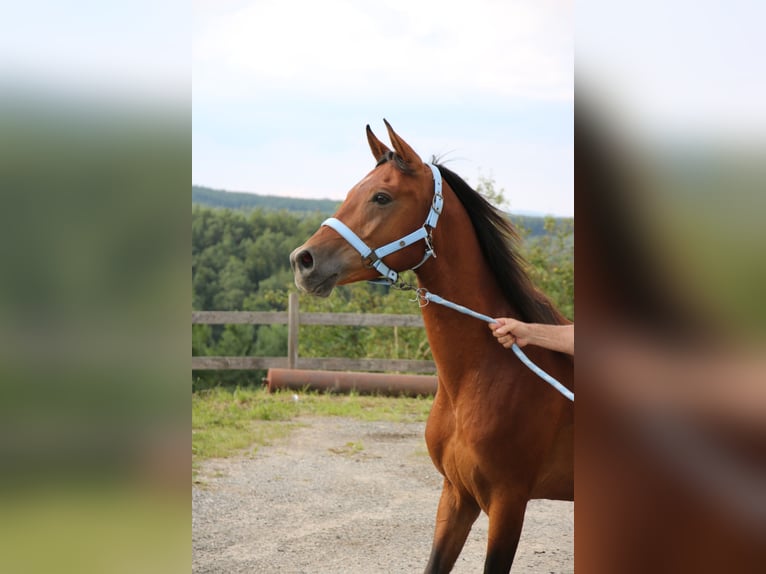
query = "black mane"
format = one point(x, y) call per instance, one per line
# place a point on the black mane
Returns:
point(499, 241)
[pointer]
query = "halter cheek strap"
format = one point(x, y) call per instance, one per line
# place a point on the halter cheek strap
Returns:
point(374, 257)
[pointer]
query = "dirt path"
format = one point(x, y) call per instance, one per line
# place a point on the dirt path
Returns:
point(345, 496)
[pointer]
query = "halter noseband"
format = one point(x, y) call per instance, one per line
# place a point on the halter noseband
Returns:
point(374, 257)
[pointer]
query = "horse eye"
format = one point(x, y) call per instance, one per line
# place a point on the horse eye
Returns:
point(381, 198)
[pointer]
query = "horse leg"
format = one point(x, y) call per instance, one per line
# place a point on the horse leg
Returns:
point(505, 522)
point(454, 518)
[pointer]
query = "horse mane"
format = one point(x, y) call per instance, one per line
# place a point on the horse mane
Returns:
point(499, 243)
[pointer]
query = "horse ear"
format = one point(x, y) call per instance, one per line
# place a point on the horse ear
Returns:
point(379, 149)
point(402, 148)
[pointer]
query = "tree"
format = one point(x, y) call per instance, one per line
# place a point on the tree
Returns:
point(486, 187)
point(550, 260)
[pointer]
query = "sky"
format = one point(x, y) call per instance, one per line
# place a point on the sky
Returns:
point(282, 91)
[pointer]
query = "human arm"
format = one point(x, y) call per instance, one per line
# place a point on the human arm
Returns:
point(554, 337)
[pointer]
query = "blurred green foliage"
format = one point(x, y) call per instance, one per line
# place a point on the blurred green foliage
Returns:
point(93, 330)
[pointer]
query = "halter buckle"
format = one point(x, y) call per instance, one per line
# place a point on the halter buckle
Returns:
point(368, 261)
point(437, 203)
point(429, 245)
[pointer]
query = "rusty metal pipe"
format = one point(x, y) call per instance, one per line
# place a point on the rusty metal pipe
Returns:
point(346, 381)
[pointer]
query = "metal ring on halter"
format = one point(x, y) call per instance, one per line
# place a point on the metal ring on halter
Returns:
point(421, 296)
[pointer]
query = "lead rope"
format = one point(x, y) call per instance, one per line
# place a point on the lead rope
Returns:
point(425, 295)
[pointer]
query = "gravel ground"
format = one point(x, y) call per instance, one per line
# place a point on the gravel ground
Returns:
point(346, 496)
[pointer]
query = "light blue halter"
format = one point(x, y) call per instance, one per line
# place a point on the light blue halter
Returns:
point(374, 258)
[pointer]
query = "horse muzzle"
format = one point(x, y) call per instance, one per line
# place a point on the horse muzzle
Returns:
point(312, 276)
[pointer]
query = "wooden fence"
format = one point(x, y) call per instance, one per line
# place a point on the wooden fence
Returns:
point(293, 318)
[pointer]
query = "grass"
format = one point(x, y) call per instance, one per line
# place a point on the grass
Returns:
point(226, 421)
point(94, 526)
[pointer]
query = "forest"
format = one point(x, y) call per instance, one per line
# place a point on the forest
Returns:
point(240, 263)
point(243, 200)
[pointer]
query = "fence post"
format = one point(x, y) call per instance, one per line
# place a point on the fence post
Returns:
point(292, 331)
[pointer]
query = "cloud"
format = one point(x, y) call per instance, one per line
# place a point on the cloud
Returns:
point(391, 48)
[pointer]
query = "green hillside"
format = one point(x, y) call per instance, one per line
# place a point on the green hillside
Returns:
point(239, 200)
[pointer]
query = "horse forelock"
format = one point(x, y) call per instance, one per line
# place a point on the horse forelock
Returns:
point(401, 165)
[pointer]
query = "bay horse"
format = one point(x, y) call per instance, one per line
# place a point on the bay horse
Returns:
point(499, 435)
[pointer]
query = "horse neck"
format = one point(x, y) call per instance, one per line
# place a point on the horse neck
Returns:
point(459, 273)
point(462, 276)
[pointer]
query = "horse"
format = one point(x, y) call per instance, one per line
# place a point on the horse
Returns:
point(498, 435)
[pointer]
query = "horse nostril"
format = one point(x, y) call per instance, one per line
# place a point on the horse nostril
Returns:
point(305, 260)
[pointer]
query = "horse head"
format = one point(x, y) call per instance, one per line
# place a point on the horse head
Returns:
point(381, 210)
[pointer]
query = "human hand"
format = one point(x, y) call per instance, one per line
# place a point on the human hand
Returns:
point(509, 331)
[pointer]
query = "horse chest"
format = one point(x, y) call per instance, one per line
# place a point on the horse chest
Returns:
point(457, 452)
